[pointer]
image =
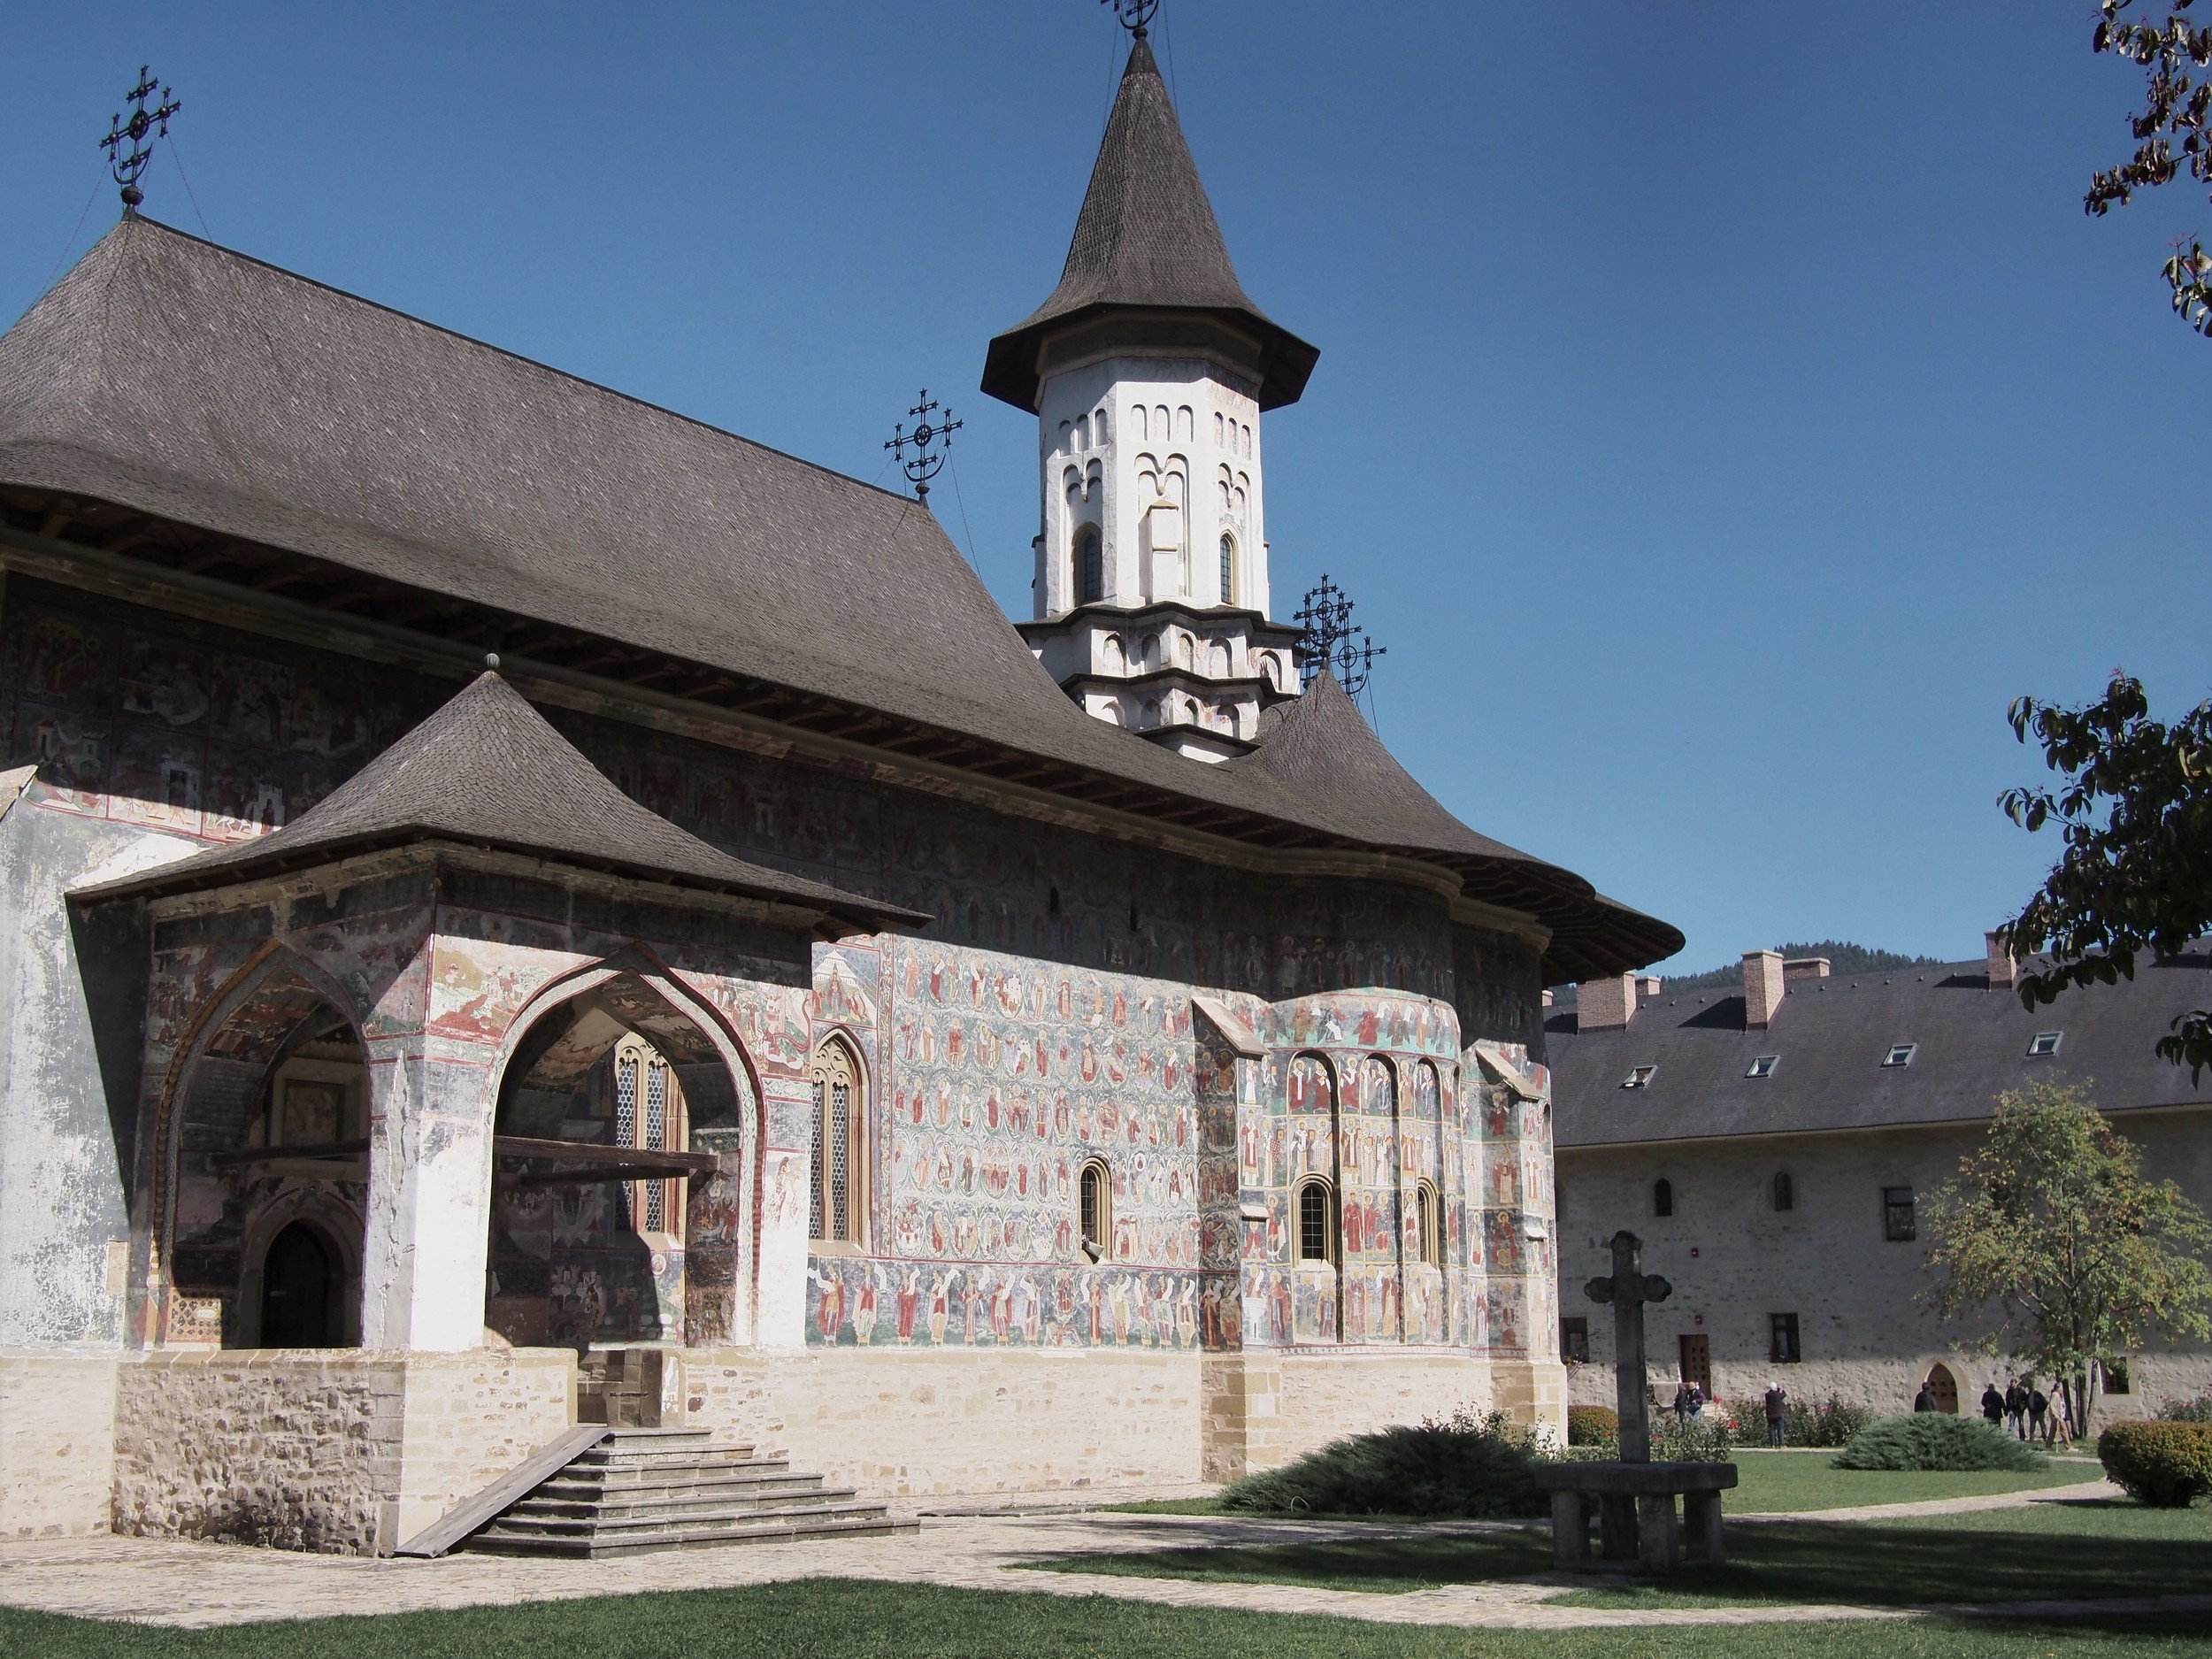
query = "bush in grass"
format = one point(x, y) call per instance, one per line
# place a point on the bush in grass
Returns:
point(1936, 1440)
point(2167, 1465)
point(1482, 1469)
point(1593, 1426)
point(2197, 1410)
point(1830, 1423)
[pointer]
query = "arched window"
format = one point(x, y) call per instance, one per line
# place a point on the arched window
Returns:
point(839, 1203)
point(1428, 1215)
point(1662, 1197)
point(1785, 1191)
point(1228, 570)
point(1096, 1203)
point(1317, 1221)
point(1090, 565)
point(648, 1115)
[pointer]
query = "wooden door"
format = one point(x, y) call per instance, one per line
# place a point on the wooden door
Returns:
point(295, 1291)
point(1697, 1362)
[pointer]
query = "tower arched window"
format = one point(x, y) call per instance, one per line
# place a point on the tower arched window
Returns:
point(1090, 565)
point(1662, 1197)
point(1428, 1214)
point(1095, 1206)
point(838, 1204)
point(1228, 570)
point(1317, 1220)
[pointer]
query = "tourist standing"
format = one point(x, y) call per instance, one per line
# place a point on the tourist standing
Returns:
point(1682, 1402)
point(2017, 1409)
point(1994, 1406)
point(2038, 1414)
point(1925, 1399)
point(1697, 1404)
point(1776, 1415)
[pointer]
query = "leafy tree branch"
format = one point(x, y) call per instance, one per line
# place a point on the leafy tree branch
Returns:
point(2176, 110)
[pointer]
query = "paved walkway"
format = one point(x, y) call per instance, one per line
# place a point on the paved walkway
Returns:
point(176, 1583)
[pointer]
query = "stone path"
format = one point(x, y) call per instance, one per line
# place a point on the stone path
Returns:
point(176, 1583)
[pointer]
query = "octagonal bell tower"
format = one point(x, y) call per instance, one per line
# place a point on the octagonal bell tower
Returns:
point(1148, 370)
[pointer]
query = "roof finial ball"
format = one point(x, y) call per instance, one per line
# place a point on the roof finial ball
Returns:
point(127, 165)
point(1134, 14)
point(491, 662)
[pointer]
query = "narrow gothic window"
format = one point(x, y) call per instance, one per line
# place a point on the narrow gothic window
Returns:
point(1090, 566)
point(1662, 1197)
point(1228, 570)
point(648, 1117)
point(838, 1199)
point(1316, 1231)
point(1785, 1191)
point(1096, 1204)
point(1428, 1214)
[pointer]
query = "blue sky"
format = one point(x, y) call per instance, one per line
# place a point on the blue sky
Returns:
point(1723, 412)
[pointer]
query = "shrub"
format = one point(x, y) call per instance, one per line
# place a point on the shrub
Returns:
point(2197, 1410)
point(2167, 1465)
point(1830, 1423)
point(1935, 1440)
point(1704, 1439)
point(1483, 1469)
point(1593, 1426)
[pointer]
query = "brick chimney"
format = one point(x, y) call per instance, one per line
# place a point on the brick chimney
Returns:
point(1605, 1004)
point(1761, 987)
point(2003, 970)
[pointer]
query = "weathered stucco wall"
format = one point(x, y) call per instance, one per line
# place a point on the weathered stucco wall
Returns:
point(57, 1443)
point(1735, 1261)
point(338, 1450)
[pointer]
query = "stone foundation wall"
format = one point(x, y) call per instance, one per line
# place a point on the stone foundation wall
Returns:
point(1327, 1395)
point(57, 1443)
point(339, 1451)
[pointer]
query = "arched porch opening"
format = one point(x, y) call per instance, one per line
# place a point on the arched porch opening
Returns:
point(623, 1143)
point(266, 1150)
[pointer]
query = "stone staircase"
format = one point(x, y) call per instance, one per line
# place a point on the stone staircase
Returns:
point(637, 1489)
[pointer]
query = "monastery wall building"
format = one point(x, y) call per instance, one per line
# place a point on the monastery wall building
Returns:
point(523, 909)
point(1774, 1148)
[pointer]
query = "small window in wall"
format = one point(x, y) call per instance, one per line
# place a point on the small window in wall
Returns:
point(1782, 1347)
point(1090, 565)
point(1640, 1077)
point(1317, 1221)
point(1428, 1219)
point(1898, 1224)
point(1662, 1197)
point(1901, 1054)
point(1785, 1191)
point(1764, 1066)
point(648, 1115)
point(839, 1203)
point(1097, 1203)
point(1574, 1340)
point(1228, 570)
point(2045, 1045)
point(2117, 1380)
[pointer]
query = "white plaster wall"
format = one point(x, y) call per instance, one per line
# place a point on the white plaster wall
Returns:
point(57, 1443)
point(1733, 1261)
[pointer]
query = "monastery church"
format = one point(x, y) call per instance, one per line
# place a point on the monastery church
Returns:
point(527, 916)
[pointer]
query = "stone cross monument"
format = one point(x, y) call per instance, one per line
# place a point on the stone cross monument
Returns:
point(1628, 1290)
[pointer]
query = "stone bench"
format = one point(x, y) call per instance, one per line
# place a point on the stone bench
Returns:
point(1635, 1511)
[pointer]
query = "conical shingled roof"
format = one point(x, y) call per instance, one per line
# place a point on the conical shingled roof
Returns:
point(487, 770)
point(1146, 239)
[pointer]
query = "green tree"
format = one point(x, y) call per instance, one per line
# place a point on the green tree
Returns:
point(2135, 875)
point(2176, 108)
point(2053, 1239)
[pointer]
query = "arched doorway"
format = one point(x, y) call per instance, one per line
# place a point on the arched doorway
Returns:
point(1945, 1389)
point(296, 1283)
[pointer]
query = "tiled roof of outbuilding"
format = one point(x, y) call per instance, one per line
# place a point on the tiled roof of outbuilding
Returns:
point(178, 379)
point(1831, 1036)
point(1146, 239)
point(488, 770)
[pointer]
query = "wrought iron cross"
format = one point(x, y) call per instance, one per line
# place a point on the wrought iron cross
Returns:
point(1134, 14)
point(127, 165)
point(1628, 1290)
point(924, 463)
point(1331, 641)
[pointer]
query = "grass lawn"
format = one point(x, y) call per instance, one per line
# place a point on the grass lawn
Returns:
point(842, 1619)
point(2060, 1552)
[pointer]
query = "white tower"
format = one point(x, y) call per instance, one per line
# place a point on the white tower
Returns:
point(1148, 370)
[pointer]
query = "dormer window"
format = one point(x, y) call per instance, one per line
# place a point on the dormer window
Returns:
point(2045, 1046)
point(1639, 1077)
point(1901, 1054)
point(1764, 1066)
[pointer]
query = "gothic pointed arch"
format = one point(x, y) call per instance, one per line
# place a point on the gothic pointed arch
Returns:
point(838, 1188)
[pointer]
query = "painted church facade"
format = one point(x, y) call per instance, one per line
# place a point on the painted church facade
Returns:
point(970, 1059)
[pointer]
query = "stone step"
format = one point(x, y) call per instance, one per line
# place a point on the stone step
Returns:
point(616, 1477)
point(607, 1521)
point(540, 1506)
point(753, 1530)
point(584, 1487)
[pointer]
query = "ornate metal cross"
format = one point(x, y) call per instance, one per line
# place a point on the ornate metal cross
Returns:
point(924, 463)
point(127, 165)
point(1134, 14)
point(1331, 641)
point(1628, 1290)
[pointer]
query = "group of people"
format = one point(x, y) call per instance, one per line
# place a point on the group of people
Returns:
point(2019, 1409)
point(1689, 1402)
